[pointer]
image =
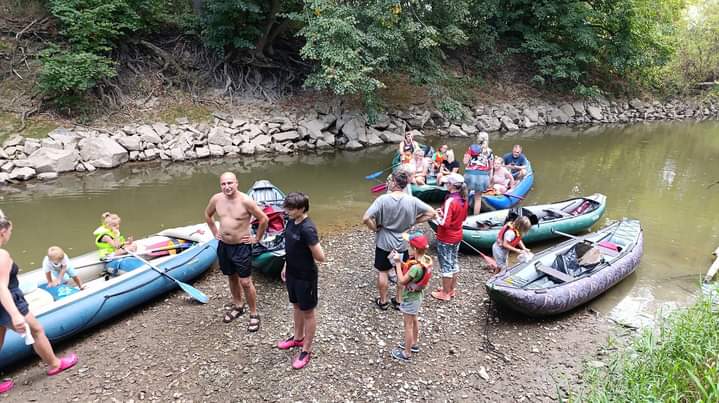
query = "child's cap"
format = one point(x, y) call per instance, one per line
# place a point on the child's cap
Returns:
point(475, 149)
point(416, 239)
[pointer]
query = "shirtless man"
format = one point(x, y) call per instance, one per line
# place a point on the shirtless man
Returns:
point(234, 252)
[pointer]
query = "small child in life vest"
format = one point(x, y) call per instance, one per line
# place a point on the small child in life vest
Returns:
point(414, 274)
point(509, 239)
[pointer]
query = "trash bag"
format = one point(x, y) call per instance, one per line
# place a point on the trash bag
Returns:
point(578, 259)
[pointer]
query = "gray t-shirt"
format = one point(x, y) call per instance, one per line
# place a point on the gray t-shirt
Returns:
point(395, 214)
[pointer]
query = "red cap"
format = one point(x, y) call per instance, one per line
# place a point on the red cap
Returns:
point(419, 242)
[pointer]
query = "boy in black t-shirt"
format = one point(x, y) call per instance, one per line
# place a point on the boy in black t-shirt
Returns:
point(302, 248)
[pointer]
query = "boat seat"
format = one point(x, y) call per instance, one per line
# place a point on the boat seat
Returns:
point(553, 273)
point(37, 299)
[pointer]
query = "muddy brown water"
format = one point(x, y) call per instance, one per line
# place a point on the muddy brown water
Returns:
point(660, 173)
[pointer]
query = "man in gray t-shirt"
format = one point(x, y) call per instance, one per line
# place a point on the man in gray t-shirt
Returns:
point(389, 216)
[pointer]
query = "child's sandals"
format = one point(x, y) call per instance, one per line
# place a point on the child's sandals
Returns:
point(254, 324)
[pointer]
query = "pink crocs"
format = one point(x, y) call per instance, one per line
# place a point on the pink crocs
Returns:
point(301, 360)
point(6, 385)
point(66, 362)
point(289, 343)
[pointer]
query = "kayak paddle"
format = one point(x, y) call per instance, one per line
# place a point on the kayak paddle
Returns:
point(194, 292)
point(379, 188)
point(604, 244)
point(377, 174)
point(490, 261)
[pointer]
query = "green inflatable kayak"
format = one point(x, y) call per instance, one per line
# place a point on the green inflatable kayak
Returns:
point(571, 216)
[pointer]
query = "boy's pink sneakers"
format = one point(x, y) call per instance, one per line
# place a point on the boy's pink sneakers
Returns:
point(301, 360)
point(289, 343)
point(6, 385)
point(66, 362)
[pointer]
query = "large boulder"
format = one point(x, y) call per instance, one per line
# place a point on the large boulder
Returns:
point(65, 137)
point(286, 136)
point(314, 127)
point(262, 140)
point(161, 129)
point(14, 140)
point(508, 124)
point(22, 174)
point(102, 152)
point(389, 136)
point(595, 112)
point(131, 143)
point(219, 136)
point(54, 160)
point(488, 123)
point(148, 134)
point(355, 130)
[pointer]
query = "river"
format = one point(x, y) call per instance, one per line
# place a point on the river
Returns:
point(660, 173)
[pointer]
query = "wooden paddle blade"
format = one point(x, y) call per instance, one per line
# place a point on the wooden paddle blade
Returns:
point(490, 261)
point(198, 295)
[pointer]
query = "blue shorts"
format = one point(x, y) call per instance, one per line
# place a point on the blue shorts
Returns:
point(477, 182)
point(21, 304)
point(69, 273)
point(447, 254)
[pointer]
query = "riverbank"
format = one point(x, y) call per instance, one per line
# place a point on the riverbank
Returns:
point(174, 349)
point(322, 126)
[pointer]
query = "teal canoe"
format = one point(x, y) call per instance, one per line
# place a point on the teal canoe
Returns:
point(571, 216)
point(268, 256)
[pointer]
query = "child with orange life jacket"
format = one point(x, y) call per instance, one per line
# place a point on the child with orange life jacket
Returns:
point(509, 239)
point(414, 275)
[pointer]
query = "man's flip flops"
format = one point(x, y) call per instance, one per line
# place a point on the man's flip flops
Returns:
point(66, 362)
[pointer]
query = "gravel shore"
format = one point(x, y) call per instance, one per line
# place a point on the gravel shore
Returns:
point(175, 349)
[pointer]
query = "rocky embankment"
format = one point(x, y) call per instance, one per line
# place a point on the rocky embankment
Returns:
point(325, 126)
point(176, 350)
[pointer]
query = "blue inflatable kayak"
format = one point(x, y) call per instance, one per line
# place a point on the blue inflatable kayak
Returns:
point(67, 311)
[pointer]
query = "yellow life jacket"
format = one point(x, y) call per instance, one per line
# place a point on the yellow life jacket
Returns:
point(103, 247)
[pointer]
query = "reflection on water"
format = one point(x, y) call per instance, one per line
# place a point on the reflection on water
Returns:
point(657, 173)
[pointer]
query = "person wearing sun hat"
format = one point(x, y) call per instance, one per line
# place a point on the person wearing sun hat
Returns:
point(450, 219)
point(413, 277)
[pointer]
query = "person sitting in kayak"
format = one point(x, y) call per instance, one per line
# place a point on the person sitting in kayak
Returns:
point(478, 170)
point(509, 239)
point(502, 180)
point(419, 167)
point(408, 145)
point(449, 166)
point(110, 243)
point(516, 162)
point(58, 269)
point(435, 169)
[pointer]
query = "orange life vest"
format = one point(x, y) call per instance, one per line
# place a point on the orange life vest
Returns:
point(517, 236)
point(426, 276)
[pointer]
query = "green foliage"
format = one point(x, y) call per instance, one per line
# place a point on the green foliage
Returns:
point(697, 56)
point(66, 74)
point(679, 364)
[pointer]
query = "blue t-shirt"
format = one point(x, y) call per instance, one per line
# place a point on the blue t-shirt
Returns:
point(509, 159)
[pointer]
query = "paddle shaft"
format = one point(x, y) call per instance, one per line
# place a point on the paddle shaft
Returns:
point(490, 261)
point(606, 244)
point(180, 246)
point(192, 291)
point(374, 175)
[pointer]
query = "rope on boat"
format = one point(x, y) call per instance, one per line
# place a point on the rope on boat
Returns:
point(107, 297)
point(487, 346)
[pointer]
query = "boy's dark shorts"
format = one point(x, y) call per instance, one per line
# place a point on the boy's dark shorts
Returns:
point(21, 305)
point(302, 292)
point(235, 259)
point(381, 262)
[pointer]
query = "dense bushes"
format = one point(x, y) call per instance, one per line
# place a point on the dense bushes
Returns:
point(351, 45)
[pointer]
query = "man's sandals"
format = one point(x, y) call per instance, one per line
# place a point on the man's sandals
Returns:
point(254, 324)
point(232, 312)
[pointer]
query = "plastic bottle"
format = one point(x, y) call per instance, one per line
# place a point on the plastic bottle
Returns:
point(28, 336)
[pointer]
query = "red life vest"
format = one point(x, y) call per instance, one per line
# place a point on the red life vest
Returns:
point(426, 276)
point(517, 236)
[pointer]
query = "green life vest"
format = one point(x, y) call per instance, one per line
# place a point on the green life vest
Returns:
point(103, 247)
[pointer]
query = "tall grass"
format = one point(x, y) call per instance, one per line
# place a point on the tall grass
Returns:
point(678, 362)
